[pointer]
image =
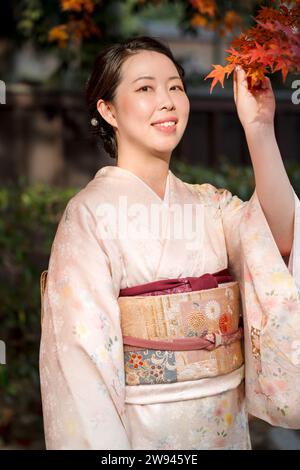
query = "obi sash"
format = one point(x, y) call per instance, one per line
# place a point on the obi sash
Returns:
point(175, 330)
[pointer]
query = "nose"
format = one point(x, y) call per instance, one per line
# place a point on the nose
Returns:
point(165, 101)
point(170, 107)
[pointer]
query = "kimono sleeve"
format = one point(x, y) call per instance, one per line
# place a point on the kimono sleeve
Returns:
point(271, 308)
point(81, 350)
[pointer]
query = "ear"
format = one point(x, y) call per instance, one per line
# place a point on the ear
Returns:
point(105, 111)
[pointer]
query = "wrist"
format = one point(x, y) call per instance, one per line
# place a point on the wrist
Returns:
point(259, 130)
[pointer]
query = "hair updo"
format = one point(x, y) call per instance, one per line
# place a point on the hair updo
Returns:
point(106, 76)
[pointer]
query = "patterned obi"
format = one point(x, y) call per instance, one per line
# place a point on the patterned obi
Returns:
point(176, 330)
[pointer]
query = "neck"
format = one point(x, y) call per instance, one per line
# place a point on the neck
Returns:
point(153, 170)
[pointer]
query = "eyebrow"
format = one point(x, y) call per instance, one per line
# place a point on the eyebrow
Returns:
point(153, 78)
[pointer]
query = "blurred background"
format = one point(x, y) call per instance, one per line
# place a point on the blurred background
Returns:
point(47, 49)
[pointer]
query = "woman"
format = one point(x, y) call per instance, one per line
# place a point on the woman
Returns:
point(137, 349)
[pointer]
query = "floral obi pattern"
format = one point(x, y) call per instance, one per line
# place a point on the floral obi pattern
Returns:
point(183, 336)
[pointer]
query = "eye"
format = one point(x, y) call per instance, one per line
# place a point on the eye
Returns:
point(145, 86)
point(178, 86)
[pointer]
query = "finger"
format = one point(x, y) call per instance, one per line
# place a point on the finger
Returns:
point(266, 83)
point(234, 86)
point(241, 77)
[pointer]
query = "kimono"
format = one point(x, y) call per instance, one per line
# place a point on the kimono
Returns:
point(103, 244)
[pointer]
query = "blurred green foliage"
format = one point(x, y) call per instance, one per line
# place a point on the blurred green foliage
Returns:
point(28, 218)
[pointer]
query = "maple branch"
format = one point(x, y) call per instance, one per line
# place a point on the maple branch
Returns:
point(272, 45)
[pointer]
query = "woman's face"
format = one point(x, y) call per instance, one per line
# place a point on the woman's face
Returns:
point(140, 102)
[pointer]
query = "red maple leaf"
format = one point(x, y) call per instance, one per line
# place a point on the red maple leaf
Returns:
point(260, 54)
point(218, 75)
point(272, 45)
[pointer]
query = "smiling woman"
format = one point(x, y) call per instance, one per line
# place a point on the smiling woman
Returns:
point(142, 329)
point(120, 81)
point(133, 106)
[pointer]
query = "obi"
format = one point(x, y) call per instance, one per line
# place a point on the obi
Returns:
point(176, 330)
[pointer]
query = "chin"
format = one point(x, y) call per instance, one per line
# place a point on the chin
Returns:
point(163, 152)
point(167, 145)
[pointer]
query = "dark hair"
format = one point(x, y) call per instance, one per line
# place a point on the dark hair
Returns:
point(106, 76)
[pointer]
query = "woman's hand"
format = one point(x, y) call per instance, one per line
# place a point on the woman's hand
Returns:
point(256, 109)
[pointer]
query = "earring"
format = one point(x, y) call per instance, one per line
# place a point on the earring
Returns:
point(94, 122)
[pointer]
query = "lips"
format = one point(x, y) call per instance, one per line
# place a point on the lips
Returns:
point(171, 129)
point(170, 119)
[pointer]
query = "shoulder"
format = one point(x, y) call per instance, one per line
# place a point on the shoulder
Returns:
point(210, 194)
point(88, 199)
point(219, 198)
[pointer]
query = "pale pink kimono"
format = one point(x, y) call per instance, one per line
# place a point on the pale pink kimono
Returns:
point(86, 404)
